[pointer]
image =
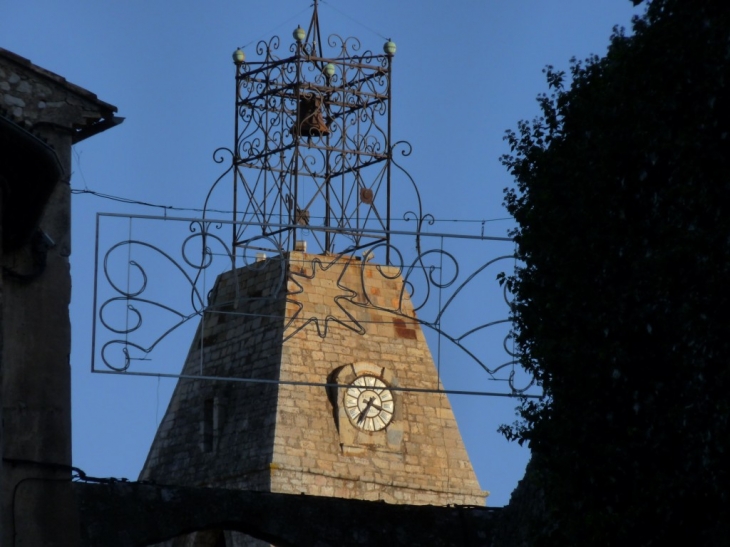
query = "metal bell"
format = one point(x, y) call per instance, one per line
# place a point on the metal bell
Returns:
point(310, 122)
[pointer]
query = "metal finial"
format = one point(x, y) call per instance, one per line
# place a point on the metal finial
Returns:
point(389, 48)
point(239, 56)
point(299, 34)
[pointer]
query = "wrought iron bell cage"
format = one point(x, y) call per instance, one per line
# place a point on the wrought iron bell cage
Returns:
point(313, 152)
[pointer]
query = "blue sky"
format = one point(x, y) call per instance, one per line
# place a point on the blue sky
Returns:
point(464, 72)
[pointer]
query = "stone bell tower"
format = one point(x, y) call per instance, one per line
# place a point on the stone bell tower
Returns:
point(329, 393)
point(309, 372)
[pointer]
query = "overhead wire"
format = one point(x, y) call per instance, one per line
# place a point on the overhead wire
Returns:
point(354, 20)
point(277, 27)
point(120, 199)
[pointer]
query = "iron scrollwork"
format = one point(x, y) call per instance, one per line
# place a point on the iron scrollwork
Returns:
point(313, 157)
point(204, 252)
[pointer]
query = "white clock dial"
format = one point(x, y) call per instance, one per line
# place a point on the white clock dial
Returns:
point(369, 403)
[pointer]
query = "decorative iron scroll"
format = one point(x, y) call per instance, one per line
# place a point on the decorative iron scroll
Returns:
point(431, 279)
point(313, 160)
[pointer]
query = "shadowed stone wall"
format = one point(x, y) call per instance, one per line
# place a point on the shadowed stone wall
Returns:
point(41, 116)
point(130, 515)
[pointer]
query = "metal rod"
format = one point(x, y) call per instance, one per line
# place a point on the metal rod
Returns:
point(96, 292)
point(236, 148)
point(320, 384)
point(390, 158)
point(310, 228)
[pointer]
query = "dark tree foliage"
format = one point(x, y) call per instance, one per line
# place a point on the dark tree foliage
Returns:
point(622, 307)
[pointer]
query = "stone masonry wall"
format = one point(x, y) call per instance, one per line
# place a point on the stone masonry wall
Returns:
point(220, 433)
point(428, 463)
point(308, 322)
point(35, 98)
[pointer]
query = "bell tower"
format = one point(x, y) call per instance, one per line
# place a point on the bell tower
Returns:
point(309, 372)
point(313, 144)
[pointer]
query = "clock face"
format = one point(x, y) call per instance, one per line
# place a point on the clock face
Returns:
point(369, 403)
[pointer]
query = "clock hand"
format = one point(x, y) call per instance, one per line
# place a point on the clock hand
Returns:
point(364, 413)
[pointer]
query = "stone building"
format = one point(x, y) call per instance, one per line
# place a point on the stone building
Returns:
point(41, 116)
point(340, 397)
